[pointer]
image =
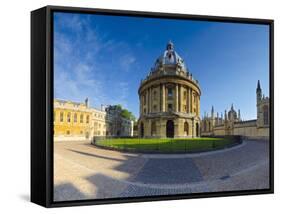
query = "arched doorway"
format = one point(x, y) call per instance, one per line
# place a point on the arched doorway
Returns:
point(197, 130)
point(170, 129)
point(186, 128)
point(141, 130)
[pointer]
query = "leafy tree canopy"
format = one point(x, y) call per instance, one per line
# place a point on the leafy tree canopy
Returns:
point(126, 113)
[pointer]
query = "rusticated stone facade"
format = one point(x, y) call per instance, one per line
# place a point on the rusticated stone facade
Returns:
point(169, 99)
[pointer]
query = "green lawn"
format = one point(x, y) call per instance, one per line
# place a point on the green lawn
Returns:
point(166, 145)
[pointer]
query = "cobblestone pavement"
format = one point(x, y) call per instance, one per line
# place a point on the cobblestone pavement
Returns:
point(82, 171)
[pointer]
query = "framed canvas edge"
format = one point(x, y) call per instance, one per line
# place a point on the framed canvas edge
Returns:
point(49, 105)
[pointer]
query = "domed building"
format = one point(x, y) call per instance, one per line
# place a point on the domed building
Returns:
point(169, 99)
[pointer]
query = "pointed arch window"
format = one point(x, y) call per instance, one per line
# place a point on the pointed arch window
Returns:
point(265, 115)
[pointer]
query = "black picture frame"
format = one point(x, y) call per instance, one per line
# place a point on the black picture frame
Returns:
point(42, 108)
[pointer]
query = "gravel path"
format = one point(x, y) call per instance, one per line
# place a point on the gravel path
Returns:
point(82, 171)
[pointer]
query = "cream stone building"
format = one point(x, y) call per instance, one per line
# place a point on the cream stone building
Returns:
point(169, 99)
point(232, 124)
point(78, 121)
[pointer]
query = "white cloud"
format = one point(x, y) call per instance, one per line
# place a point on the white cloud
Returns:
point(127, 61)
point(83, 63)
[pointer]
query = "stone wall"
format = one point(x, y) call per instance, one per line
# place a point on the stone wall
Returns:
point(247, 129)
point(219, 130)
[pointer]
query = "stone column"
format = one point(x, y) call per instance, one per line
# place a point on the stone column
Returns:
point(190, 101)
point(151, 100)
point(163, 98)
point(198, 105)
point(176, 128)
point(195, 104)
point(187, 100)
point(146, 97)
point(162, 128)
point(180, 107)
point(148, 103)
point(140, 99)
point(176, 98)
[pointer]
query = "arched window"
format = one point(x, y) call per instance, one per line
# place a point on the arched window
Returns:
point(75, 118)
point(170, 92)
point(265, 115)
point(81, 118)
point(87, 119)
point(186, 128)
point(68, 117)
point(184, 95)
point(153, 128)
point(61, 116)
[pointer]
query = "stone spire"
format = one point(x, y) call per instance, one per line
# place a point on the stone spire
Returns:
point(259, 85)
point(239, 116)
point(259, 92)
point(212, 112)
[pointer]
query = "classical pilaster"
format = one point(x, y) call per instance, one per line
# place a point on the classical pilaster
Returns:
point(180, 95)
point(191, 101)
point(198, 106)
point(163, 98)
point(151, 100)
point(146, 103)
point(187, 100)
point(176, 98)
point(140, 100)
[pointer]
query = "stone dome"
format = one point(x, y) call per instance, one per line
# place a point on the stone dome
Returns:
point(169, 58)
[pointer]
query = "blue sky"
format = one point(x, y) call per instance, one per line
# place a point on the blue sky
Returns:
point(105, 57)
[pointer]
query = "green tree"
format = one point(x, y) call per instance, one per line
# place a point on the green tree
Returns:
point(128, 115)
point(125, 113)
